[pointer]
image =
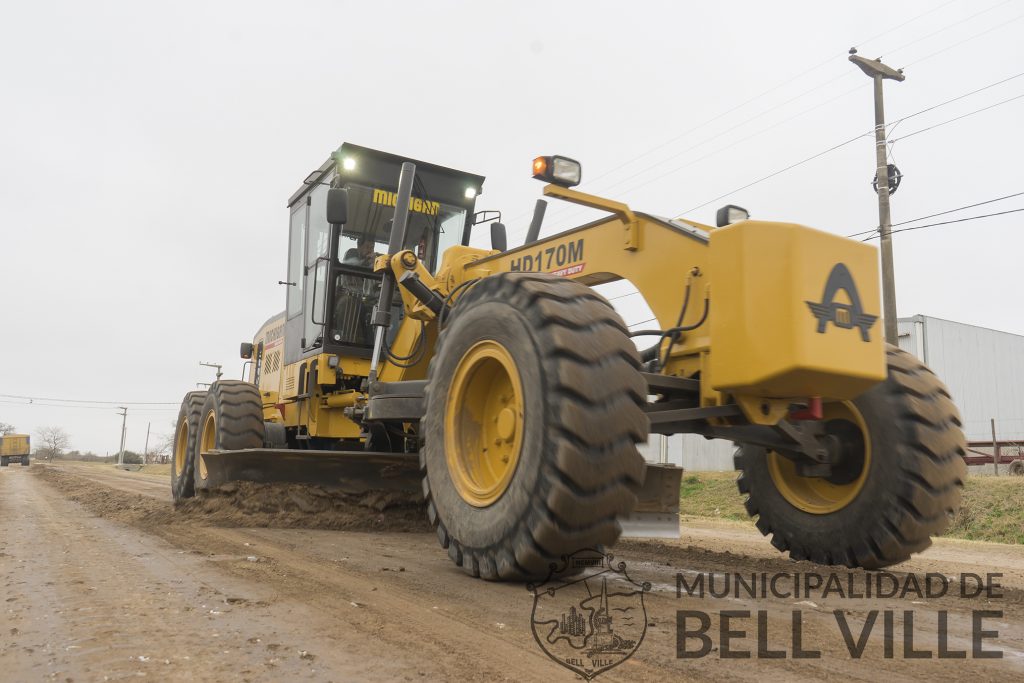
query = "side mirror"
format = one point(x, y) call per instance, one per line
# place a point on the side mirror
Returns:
point(246, 350)
point(486, 216)
point(499, 240)
point(337, 205)
point(479, 218)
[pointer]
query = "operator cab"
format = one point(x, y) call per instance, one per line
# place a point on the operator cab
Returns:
point(332, 288)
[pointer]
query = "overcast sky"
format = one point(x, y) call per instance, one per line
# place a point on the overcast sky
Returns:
point(147, 151)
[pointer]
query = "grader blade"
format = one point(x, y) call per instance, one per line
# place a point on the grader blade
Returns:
point(350, 472)
point(657, 509)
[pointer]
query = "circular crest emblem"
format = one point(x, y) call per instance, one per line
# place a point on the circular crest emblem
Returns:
point(588, 614)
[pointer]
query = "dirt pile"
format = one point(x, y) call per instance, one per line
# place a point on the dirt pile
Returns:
point(247, 504)
point(296, 506)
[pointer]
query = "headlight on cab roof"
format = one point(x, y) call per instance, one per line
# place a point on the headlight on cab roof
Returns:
point(558, 170)
point(729, 214)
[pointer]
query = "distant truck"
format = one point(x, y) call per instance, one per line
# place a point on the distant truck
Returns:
point(14, 448)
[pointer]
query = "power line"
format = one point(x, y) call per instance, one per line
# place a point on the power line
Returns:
point(65, 405)
point(958, 220)
point(696, 160)
point(955, 99)
point(969, 206)
point(678, 137)
point(908, 21)
point(75, 400)
point(772, 175)
point(735, 143)
point(742, 123)
point(674, 139)
point(962, 116)
point(941, 213)
point(965, 40)
point(682, 135)
point(897, 122)
point(814, 89)
point(915, 113)
point(891, 142)
point(948, 26)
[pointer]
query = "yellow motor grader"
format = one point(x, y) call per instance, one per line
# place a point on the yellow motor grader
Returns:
point(504, 388)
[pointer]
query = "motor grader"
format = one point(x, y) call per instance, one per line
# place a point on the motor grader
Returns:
point(507, 391)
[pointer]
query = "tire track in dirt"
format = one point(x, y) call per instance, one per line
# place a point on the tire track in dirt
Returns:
point(86, 599)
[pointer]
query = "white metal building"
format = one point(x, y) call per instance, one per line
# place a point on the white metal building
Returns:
point(983, 368)
point(694, 453)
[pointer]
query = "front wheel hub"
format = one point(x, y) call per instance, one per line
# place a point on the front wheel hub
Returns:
point(850, 451)
point(181, 448)
point(483, 423)
point(207, 442)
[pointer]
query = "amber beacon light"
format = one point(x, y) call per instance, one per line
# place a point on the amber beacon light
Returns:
point(558, 170)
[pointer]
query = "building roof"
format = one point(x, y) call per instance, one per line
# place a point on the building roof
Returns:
point(921, 318)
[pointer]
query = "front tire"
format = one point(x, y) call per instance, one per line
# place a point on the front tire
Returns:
point(885, 501)
point(534, 409)
point(185, 434)
point(231, 419)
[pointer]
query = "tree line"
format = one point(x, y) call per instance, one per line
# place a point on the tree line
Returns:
point(54, 443)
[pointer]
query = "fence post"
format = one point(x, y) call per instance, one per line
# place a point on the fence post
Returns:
point(995, 450)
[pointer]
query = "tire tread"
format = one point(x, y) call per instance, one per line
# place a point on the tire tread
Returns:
point(593, 470)
point(922, 497)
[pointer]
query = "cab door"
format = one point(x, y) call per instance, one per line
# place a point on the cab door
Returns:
point(294, 325)
point(309, 262)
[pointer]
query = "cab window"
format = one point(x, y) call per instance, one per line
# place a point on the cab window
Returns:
point(296, 248)
point(318, 242)
point(365, 236)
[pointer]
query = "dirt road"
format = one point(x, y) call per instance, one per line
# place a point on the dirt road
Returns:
point(103, 580)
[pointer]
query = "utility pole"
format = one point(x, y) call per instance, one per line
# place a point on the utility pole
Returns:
point(214, 365)
point(145, 451)
point(879, 72)
point(124, 420)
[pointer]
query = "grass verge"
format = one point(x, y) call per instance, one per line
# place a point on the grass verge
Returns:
point(993, 507)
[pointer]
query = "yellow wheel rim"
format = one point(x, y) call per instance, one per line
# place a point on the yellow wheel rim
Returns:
point(484, 423)
point(818, 495)
point(181, 448)
point(207, 442)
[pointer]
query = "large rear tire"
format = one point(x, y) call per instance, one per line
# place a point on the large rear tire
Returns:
point(898, 484)
point(185, 432)
point(231, 419)
point(24, 461)
point(534, 409)
point(3, 461)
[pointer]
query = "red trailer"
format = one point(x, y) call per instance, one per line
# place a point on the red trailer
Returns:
point(1009, 454)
